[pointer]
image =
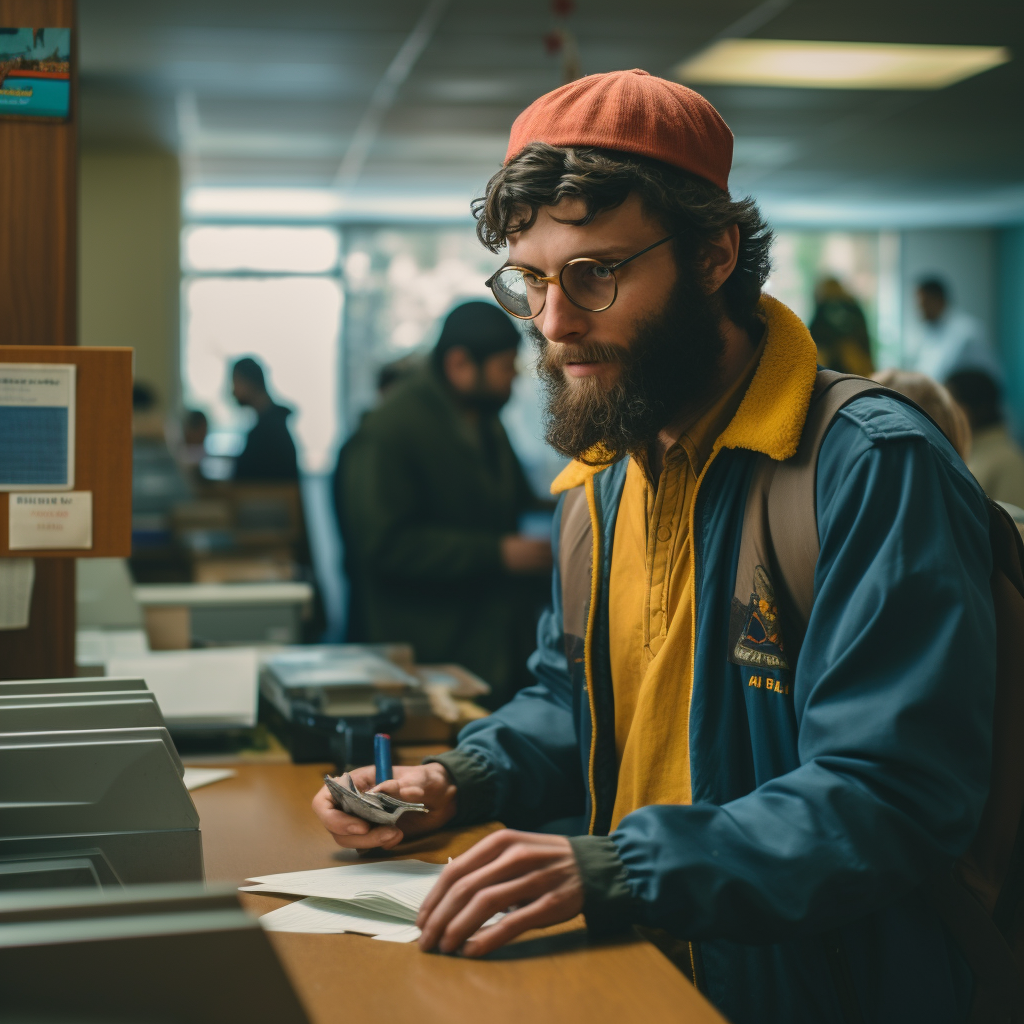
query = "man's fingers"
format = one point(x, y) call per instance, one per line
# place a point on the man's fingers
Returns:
point(548, 909)
point(514, 862)
point(488, 902)
point(411, 792)
point(485, 852)
point(384, 836)
point(334, 820)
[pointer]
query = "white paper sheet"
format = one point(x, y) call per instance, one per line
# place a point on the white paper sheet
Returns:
point(326, 917)
point(211, 687)
point(98, 646)
point(52, 521)
point(395, 889)
point(17, 576)
point(194, 778)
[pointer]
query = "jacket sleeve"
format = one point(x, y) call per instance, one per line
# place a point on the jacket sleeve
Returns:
point(894, 693)
point(385, 513)
point(521, 765)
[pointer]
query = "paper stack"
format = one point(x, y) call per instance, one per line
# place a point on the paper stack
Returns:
point(380, 899)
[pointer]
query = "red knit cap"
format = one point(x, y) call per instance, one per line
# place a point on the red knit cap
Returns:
point(633, 112)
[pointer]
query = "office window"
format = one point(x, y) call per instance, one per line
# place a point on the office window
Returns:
point(866, 264)
point(273, 293)
point(400, 283)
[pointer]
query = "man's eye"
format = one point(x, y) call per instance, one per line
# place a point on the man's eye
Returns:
point(533, 281)
point(601, 273)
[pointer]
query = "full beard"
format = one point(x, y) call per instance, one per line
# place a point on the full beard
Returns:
point(673, 364)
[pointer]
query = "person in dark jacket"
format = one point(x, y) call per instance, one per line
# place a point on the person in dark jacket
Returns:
point(839, 330)
point(429, 496)
point(767, 810)
point(269, 452)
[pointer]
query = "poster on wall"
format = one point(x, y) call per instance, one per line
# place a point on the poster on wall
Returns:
point(35, 72)
point(37, 426)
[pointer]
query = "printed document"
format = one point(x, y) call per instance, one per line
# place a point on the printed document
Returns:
point(379, 899)
point(37, 426)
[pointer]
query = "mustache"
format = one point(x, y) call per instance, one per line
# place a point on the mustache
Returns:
point(559, 354)
point(556, 354)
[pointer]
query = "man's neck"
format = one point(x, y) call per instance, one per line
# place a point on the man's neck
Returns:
point(737, 348)
point(261, 403)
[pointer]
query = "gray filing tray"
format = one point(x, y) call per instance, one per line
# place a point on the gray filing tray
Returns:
point(91, 789)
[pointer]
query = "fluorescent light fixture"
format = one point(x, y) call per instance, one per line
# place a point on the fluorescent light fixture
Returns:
point(266, 248)
point(801, 64)
point(227, 203)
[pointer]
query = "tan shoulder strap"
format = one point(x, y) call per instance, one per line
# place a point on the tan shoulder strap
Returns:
point(791, 503)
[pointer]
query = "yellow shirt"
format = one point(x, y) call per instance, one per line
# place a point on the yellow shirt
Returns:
point(651, 614)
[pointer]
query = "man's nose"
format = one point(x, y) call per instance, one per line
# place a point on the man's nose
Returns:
point(560, 320)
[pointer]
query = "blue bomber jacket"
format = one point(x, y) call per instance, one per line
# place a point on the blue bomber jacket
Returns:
point(824, 795)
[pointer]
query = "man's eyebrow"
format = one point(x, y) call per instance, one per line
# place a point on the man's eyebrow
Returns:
point(609, 254)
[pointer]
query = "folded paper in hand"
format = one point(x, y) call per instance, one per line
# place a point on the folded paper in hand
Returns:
point(378, 808)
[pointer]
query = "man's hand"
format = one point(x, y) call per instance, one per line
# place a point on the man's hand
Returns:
point(535, 874)
point(521, 554)
point(426, 784)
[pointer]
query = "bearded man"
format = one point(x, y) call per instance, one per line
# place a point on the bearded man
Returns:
point(770, 828)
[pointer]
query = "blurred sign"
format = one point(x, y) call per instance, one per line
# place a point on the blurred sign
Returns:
point(35, 72)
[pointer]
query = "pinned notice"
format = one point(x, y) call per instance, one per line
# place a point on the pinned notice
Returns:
point(37, 426)
point(50, 521)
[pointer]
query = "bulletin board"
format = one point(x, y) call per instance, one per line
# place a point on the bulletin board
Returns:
point(103, 445)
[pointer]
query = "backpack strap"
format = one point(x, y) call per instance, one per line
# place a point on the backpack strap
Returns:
point(791, 502)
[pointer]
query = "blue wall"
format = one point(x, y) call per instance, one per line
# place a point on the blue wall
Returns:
point(1010, 319)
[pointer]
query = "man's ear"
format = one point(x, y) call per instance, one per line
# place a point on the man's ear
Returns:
point(720, 261)
point(461, 369)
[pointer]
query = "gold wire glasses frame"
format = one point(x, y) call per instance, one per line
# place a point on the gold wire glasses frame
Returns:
point(586, 282)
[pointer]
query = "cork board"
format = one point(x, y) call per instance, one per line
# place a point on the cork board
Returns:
point(103, 444)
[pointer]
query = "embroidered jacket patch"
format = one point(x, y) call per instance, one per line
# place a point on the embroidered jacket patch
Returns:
point(755, 628)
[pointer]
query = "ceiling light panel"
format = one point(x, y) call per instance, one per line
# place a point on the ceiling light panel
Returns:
point(801, 64)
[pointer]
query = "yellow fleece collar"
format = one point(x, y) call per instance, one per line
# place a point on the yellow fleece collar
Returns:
point(771, 416)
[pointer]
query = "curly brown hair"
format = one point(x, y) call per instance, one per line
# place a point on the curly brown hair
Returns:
point(692, 209)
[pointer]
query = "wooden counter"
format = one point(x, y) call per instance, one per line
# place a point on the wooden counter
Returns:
point(261, 822)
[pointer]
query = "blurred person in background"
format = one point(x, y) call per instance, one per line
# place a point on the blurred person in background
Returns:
point(194, 428)
point(157, 481)
point(356, 627)
point(191, 450)
point(996, 460)
point(269, 452)
point(840, 330)
point(430, 497)
point(945, 339)
point(936, 400)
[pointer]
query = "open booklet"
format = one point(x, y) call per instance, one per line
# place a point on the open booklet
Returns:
point(380, 899)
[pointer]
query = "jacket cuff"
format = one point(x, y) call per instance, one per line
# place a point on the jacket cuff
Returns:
point(475, 785)
point(608, 904)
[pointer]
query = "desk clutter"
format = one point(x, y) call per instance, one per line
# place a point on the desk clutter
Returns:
point(202, 650)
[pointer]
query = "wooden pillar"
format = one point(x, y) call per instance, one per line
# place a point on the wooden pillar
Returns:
point(39, 306)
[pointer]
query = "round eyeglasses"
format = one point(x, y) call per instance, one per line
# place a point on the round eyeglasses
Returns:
point(587, 283)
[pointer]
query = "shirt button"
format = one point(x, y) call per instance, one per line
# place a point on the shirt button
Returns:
point(664, 533)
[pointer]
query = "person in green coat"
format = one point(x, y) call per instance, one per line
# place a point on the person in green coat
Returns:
point(429, 497)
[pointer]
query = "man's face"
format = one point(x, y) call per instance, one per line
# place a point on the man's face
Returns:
point(932, 305)
point(576, 335)
point(497, 375)
point(615, 378)
point(240, 390)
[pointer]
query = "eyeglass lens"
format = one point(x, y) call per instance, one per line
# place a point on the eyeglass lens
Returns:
point(587, 283)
